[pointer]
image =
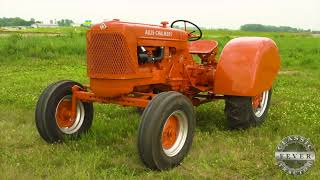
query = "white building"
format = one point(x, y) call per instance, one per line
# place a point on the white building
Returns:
point(41, 25)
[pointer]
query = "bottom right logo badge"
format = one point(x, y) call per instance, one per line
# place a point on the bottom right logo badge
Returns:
point(295, 154)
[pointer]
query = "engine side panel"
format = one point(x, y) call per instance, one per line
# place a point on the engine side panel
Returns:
point(247, 66)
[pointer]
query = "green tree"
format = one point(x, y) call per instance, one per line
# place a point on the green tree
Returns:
point(268, 28)
point(32, 21)
point(65, 22)
point(14, 22)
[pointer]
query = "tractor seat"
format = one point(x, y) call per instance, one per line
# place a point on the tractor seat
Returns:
point(202, 46)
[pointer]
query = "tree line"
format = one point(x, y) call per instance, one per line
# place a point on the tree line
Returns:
point(21, 22)
point(268, 28)
point(67, 22)
point(15, 22)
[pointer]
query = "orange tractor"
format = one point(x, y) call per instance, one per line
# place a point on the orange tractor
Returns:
point(164, 71)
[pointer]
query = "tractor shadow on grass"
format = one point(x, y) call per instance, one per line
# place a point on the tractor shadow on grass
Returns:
point(115, 132)
point(210, 117)
point(114, 123)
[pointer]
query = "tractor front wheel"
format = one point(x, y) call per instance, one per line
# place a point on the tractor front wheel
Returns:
point(53, 113)
point(243, 112)
point(166, 130)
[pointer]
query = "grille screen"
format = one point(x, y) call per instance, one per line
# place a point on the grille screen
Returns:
point(108, 53)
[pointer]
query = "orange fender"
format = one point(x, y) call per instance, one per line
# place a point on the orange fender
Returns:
point(247, 66)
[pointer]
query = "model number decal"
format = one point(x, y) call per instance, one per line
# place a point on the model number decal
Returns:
point(151, 32)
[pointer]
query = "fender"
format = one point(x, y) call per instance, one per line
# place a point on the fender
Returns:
point(247, 66)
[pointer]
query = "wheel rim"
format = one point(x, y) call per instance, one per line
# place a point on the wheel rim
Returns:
point(259, 103)
point(174, 133)
point(65, 122)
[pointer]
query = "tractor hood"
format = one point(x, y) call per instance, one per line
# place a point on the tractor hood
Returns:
point(112, 54)
point(142, 31)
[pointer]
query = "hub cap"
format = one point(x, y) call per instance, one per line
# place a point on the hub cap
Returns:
point(259, 103)
point(65, 122)
point(174, 133)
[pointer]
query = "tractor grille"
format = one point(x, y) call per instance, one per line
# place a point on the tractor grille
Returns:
point(108, 53)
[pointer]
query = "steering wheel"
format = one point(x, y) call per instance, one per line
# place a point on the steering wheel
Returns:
point(192, 35)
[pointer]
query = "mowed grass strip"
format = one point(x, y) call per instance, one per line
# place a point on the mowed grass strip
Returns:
point(29, 64)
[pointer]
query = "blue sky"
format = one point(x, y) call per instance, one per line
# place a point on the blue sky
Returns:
point(207, 13)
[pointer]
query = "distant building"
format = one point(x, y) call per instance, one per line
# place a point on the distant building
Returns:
point(41, 25)
point(315, 32)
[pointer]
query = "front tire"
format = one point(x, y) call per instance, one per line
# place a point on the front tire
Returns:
point(166, 130)
point(243, 112)
point(53, 113)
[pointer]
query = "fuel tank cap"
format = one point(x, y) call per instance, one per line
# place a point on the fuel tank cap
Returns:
point(164, 24)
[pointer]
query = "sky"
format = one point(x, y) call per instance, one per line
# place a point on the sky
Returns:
point(303, 14)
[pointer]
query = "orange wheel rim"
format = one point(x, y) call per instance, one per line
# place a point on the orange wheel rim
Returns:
point(260, 103)
point(63, 114)
point(170, 132)
point(256, 101)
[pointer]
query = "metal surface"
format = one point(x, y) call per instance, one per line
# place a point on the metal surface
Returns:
point(174, 133)
point(259, 103)
point(108, 53)
point(247, 66)
point(66, 123)
point(202, 46)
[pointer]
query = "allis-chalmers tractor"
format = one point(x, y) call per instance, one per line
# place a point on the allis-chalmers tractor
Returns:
point(164, 71)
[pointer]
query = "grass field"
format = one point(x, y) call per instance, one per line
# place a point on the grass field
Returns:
point(30, 63)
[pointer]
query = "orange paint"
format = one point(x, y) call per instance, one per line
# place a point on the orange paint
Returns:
point(170, 132)
point(63, 114)
point(202, 46)
point(247, 66)
point(119, 75)
point(256, 100)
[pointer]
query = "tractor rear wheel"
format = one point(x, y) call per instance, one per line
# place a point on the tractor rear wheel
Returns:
point(243, 112)
point(53, 113)
point(166, 130)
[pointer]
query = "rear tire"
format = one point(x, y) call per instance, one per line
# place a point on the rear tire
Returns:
point(166, 130)
point(52, 113)
point(242, 112)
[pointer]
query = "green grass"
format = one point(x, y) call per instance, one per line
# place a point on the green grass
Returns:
point(29, 64)
point(48, 30)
